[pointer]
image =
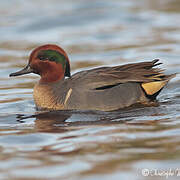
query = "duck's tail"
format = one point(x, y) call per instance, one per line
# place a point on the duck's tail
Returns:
point(152, 89)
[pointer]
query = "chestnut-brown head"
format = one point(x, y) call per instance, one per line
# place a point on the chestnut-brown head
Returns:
point(49, 61)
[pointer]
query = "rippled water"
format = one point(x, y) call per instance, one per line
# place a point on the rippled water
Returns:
point(88, 145)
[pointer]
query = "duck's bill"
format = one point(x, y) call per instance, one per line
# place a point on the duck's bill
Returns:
point(26, 70)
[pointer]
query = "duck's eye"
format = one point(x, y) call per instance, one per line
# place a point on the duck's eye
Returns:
point(41, 57)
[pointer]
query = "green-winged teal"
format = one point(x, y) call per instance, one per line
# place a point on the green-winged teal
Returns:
point(103, 88)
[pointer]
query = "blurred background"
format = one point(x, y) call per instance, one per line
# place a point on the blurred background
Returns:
point(89, 145)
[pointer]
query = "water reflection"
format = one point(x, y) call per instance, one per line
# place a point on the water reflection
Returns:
point(59, 121)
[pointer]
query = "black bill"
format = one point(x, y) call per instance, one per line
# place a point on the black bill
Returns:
point(26, 70)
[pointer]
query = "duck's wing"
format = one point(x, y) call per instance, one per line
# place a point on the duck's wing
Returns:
point(104, 77)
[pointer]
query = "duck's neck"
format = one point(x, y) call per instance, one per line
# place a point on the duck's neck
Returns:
point(49, 95)
point(53, 78)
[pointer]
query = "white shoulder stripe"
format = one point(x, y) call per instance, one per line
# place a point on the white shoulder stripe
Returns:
point(68, 95)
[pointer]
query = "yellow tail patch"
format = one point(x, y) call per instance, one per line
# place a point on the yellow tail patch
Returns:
point(153, 87)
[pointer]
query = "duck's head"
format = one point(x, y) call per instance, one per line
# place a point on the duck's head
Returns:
point(49, 61)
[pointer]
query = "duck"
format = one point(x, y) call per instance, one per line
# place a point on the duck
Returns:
point(101, 88)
